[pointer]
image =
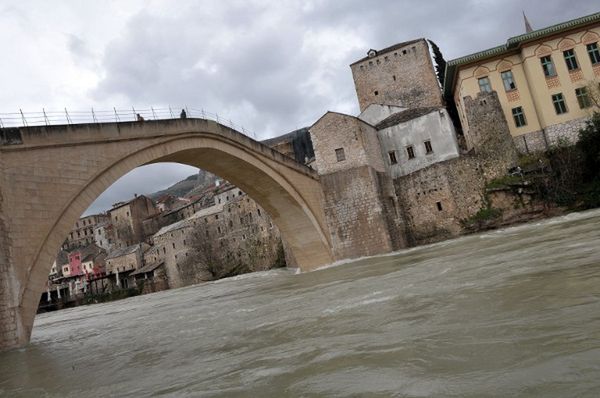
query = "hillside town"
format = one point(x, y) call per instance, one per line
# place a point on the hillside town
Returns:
point(155, 245)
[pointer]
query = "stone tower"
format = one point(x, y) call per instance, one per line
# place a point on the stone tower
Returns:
point(400, 75)
point(488, 134)
point(360, 203)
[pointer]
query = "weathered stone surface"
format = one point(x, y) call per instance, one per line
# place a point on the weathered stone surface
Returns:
point(401, 76)
point(567, 132)
point(489, 135)
point(535, 141)
point(357, 140)
point(436, 199)
point(360, 220)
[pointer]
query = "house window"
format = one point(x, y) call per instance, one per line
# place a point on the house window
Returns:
point(428, 147)
point(411, 152)
point(392, 155)
point(570, 60)
point(548, 66)
point(439, 206)
point(508, 81)
point(519, 116)
point(559, 104)
point(594, 53)
point(583, 98)
point(340, 155)
point(484, 85)
point(376, 92)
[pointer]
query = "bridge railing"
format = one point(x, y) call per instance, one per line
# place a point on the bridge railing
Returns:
point(48, 118)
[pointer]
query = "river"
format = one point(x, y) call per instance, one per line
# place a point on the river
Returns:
point(513, 312)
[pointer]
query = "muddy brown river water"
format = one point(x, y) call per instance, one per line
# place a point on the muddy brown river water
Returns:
point(514, 312)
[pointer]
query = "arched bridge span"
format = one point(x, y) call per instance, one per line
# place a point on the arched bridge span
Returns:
point(49, 176)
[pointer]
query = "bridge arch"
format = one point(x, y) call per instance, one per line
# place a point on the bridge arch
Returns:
point(100, 154)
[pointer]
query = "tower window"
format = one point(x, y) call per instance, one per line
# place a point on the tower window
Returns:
point(392, 155)
point(439, 206)
point(428, 147)
point(340, 155)
point(411, 152)
point(394, 77)
point(376, 92)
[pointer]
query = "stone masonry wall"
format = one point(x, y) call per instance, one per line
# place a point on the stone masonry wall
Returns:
point(338, 131)
point(568, 131)
point(537, 141)
point(534, 141)
point(9, 335)
point(489, 136)
point(355, 213)
point(436, 199)
point(402, 76)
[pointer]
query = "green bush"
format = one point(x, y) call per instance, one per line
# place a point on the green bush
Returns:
point(484, 219)
point(504, 181)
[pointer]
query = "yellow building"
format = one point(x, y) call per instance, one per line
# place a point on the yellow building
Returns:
point(544, 80)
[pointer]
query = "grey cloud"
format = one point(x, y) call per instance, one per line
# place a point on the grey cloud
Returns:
point(247, 55)
point(142, 180)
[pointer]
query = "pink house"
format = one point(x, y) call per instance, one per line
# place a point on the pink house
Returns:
point(75, 263)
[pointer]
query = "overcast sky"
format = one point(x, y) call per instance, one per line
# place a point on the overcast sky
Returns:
point(271, 67)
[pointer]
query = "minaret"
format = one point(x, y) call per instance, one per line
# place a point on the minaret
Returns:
point(528, 28)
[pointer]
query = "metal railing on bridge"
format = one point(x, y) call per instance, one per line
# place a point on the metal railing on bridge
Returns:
point(48, 118)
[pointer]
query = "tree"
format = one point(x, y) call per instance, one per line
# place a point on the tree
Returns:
point(440, 62)
point(440, 69)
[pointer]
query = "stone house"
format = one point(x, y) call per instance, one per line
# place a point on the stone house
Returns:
point(127, 220)
point(82, 233)
point(62, 259)
point(104, 235)
point(543, 78)
point(120, 263)
point(360, 204)
point(416, 138)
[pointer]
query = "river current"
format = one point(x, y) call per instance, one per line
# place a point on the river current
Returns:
point(513, 312)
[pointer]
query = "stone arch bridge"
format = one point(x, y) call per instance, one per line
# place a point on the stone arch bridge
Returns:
point(50, 175)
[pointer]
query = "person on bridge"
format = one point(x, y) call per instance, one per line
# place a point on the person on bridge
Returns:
point(183, 115)
point(140, 118)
